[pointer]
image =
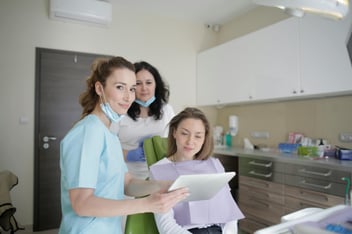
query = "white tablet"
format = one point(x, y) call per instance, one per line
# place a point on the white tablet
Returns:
point(202, 186)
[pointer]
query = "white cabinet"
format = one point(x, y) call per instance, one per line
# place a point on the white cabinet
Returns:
point(294, 58)
point(325, 64)
point(238, 82)
point(209, 69)
point(222, 74)
point(258, 66)
point(275, 58)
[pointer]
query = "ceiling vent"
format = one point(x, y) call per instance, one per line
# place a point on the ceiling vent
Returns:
point(335, 9)
point(88, 11)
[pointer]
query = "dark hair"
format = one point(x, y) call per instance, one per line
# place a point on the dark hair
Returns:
point(162, 93)
point(101, 69)
point(191, 113)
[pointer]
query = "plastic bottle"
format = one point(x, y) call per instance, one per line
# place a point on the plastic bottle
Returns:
point(321, 148)
point(228, 139)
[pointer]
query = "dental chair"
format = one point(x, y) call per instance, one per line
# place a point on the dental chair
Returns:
point(154, 150)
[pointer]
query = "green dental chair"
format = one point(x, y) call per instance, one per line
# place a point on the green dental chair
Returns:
point(154, 149)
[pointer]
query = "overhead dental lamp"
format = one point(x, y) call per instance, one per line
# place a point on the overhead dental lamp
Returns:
point(335, 9)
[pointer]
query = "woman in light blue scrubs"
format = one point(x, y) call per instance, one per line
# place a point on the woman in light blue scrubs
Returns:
point(94, 176)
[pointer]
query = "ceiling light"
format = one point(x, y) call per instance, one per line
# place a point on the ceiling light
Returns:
point(335, 9)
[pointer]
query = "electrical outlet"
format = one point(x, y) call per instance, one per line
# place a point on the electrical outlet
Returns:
point(345, 137)
point(263, 135)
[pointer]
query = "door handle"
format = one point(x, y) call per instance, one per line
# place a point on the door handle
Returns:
point(49, 138)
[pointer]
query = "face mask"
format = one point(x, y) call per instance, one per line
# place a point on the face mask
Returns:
point(147, 103)
point(108, 111)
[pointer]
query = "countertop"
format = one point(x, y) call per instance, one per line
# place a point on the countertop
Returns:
point(275, 155)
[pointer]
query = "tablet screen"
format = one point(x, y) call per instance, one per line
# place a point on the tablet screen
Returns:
point(202, 186)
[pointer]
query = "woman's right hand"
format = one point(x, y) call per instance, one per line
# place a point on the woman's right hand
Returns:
point(162, 202)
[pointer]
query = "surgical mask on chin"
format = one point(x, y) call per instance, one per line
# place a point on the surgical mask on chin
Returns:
point(110, 113)
point(147, 103)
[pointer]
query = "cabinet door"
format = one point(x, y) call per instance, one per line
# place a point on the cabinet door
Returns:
point(275, 60)
point(222, 74)
point(209, 71)
point(230, 163)
point(258, 66)
point(325, 64)
point(239, 81)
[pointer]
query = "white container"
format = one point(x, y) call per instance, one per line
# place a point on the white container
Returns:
point(218, 136)
point(233, 125)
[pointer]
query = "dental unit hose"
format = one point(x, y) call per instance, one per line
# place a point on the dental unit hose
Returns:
point(347, 192)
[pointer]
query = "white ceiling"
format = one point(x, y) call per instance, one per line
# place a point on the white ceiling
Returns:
point(201, 11)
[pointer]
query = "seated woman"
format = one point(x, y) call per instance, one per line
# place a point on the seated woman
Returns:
point(190, 145)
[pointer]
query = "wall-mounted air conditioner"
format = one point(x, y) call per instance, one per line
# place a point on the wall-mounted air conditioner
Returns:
point(336, 9)
point(90, 11)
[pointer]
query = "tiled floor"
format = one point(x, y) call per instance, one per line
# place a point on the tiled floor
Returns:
point(55, 231)
point(28, 230)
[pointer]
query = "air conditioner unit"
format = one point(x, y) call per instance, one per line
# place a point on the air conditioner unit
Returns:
point(89, 11)
point(335, 9)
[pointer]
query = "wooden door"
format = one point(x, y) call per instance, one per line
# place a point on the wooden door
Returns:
point(60, 79)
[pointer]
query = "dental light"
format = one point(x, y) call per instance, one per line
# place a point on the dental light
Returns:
point(335, 9)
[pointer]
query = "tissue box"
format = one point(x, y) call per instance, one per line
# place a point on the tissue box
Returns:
point(288, 148)
point(344, 154)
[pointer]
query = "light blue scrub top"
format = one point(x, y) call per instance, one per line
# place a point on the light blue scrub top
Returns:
point(91, 157)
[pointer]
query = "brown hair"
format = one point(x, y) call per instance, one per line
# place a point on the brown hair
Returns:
point(191, 113)
point(101, 69)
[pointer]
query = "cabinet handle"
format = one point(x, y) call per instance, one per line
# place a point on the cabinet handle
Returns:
point(266, 205)
point(316, 185)
point(304, 205)
point(261, 164)
point(257, 183)
point(261, 174)
point(313, 197)
point(315, 173)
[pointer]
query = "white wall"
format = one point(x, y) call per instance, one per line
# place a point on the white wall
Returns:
point(168, 44)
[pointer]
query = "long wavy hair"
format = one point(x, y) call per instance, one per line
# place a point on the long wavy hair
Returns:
point(101, 69)
point(162, 93)
point(191, 113)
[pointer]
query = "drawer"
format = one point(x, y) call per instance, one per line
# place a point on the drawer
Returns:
point(245, 182)
point(260, 194)
point(260, 168)
point(260, 209)
point(323, 186)
point(317, 172)
point(298, 198)
point(276, 177)
point(250, 226)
